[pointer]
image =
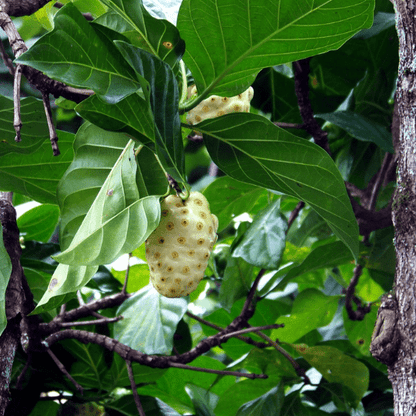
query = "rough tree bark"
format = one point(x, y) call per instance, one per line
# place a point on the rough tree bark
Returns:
point(402, 374)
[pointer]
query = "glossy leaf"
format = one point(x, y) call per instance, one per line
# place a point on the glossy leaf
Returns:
point(32, 175)
point(161, 91)
point(72, 53)
point(170, 387)
point(117, 221)
point(96, 152)
point(264, 242)
point(131, 115)
point(311, 310)
point(39, 223)
point(327, 255)
point(34, 130)
point(251, 149)
point(226, 46)
point(204, 401)
point(229, 198)
point(5, 273)
point(337, 367)
point(268, 404)
point(236, 282)
point(361, 128)
point(150, 321)
point(159, 37)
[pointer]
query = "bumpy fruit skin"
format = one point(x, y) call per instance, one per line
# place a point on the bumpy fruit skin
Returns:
point(216, 106)
point(179, 249)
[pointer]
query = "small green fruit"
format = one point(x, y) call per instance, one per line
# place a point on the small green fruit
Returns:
point(178, 250)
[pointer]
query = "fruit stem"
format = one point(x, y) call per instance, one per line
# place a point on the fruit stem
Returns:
point(184, 92)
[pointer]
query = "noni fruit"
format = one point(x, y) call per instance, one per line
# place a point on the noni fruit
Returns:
point(216, 106)
point(179, 248)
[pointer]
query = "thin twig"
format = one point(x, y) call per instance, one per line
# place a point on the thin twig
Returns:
point(355, 315)
point(221, 372)
point(289, 125)
point(251, 329)
point(17, 120)
point(53, 137)
point(101, 321)
point(126, 277)
point(218, 328)
point(294, 214)
point(251, 293)
point(64, 371)
point(134, 389)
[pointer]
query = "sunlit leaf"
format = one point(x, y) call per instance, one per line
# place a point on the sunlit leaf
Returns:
point(150, 321)
point(226, 46)
point(251, 149)
point(118, 221)
point(73, 53)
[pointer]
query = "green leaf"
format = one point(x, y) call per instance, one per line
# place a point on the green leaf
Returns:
point(37, 174)
point(268, 404)
point(361, 128)
point(150, 321)
point(65, 281)
point(39, 223)
point(96, 152)
point(161, 90)
point(229, 198)
point(89, 366)
point(34, 130)
point(228, 42)
point(170, 387)
point(242, 392)
point(79, 54)
point(236, 282)
point(131, 115)
point(5, 273)
point(204, 401)
point(337, 367)
point(117, 222)
point(159, 37)
point(251, 149)
point(311, 310)
point(359, 332)
point(264, 242)
point(328, 255)
point(47, 408)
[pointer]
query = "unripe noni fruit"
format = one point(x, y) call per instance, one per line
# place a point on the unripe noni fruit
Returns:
point(216, 106)
point(178, 250)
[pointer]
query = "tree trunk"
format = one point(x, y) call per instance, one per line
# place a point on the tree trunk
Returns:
point(402, 374)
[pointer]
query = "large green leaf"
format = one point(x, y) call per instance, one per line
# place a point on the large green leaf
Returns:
point(34, 130)
point(131, 115)
point(361, 128)
point(229, 198)
point(251, 149)
point(161, 90)
point(39, 223)
point(229, 41)
point(150, 321)
point(311, 310)
point(337, 367)
point(37, 174)
point(264, 242)
point(96, 152)
point(268, 404)
point(159, 37)
point(79, 54)
point(5, 272)
point(117, 221)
